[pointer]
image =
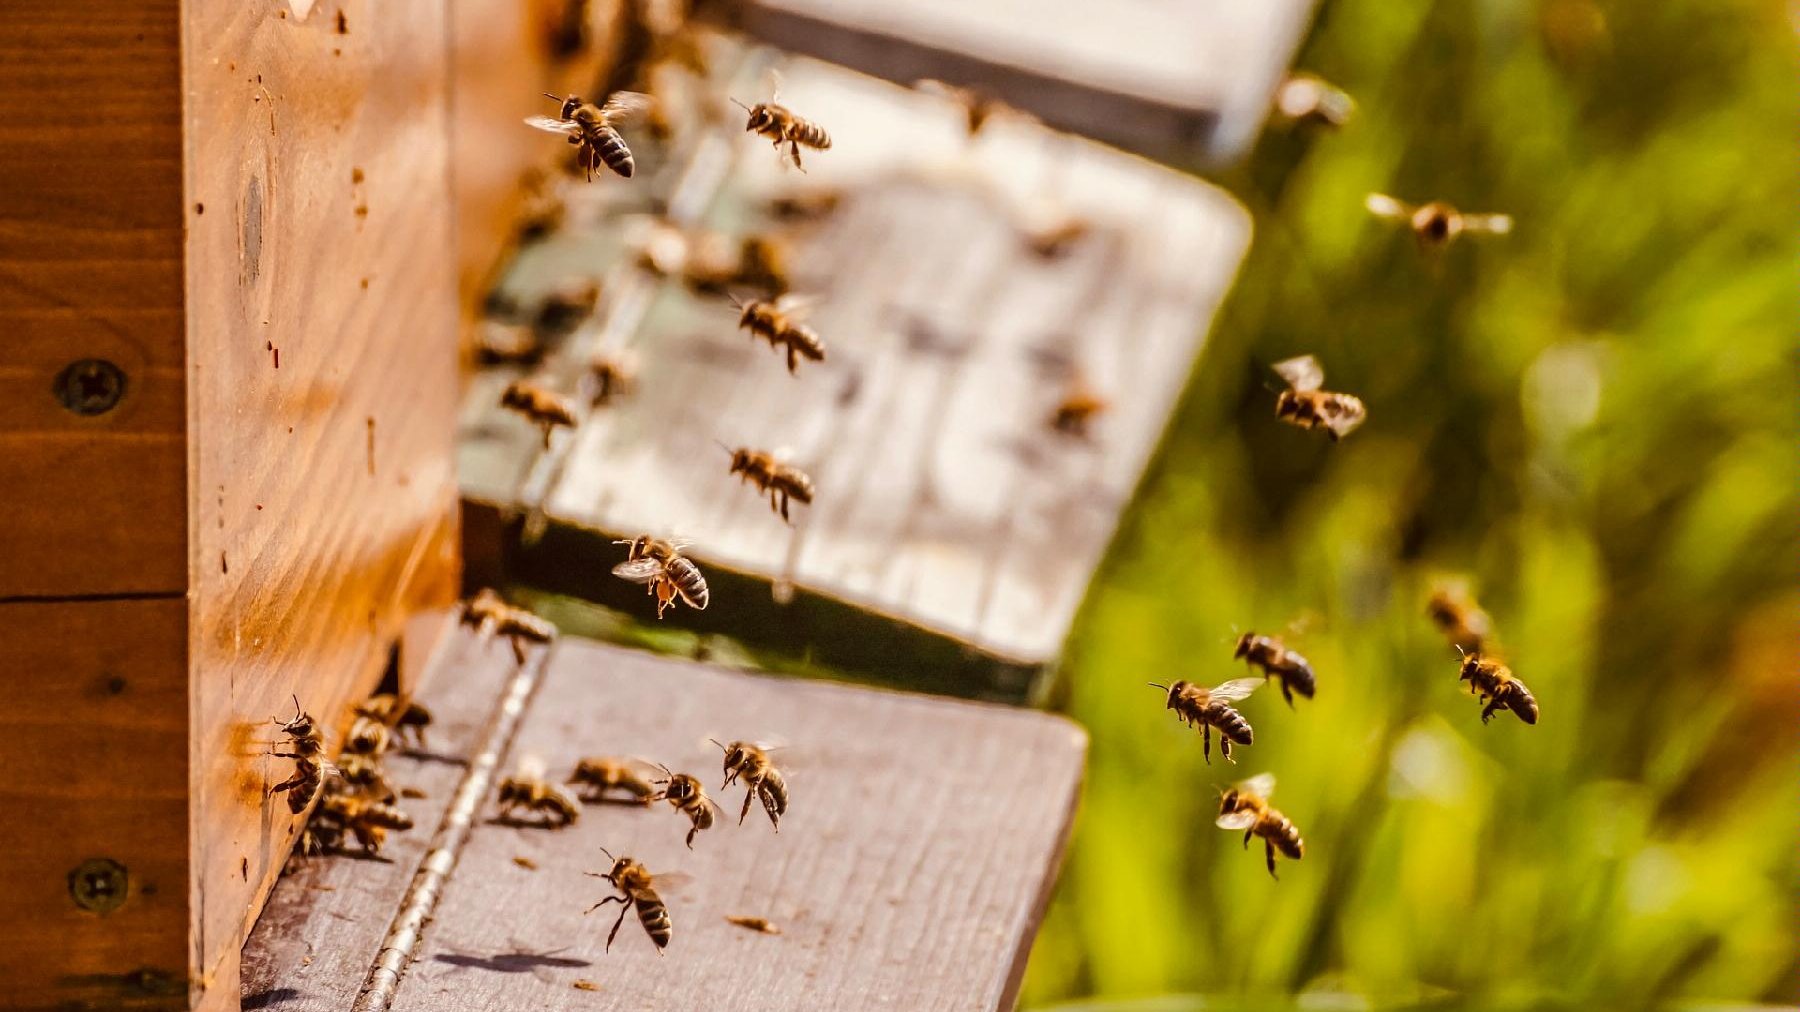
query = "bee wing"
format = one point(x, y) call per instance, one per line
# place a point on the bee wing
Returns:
point(1493, 224)
point(674, 880)
point(1236, 820)
point(1303, 373)
point(1262, 785)
point(625, 106)
point(554, 125)
point(1383, 206)
point(773, 79)
point(330, 769)
point(796, 306)
point(1236, 689)
point(1343, 415)
point(638, 570)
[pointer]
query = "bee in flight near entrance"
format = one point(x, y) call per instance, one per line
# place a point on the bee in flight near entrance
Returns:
point(1246, 807)
point(689, 798)
point(604, 775)
point(1437, 224)
point(771, 474)
point(1495, 683)
point(637, 888)
point(1278, 662)
point(1199, 706)
point(778, 323)
point(669, 574)
point(594, 128)
point(1306, 99)
point(544, 407)
point(527, 788)
point(1304, 404)
point(779, 124)
point(406, 716)
point(1456, 614)
point(489, 613)
point(761, 779)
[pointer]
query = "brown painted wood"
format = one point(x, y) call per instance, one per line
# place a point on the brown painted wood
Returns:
point(909, 873)
point(324, 921)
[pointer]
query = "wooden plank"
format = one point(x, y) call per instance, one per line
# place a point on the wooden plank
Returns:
point(945, 504)
point(1181, 81)
point(324, 922)
point(909, 873)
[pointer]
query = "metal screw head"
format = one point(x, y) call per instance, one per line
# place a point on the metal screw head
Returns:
point(99, 884)
point(90, 386)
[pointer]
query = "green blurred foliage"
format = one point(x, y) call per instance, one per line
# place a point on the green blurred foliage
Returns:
point(1593, 419)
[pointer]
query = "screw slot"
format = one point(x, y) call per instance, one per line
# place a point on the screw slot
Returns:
point(91, 386)
point(99, 884)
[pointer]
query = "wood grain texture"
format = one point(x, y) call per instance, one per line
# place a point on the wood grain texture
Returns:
point(324, 921)
point(1174, 80)
point(322, 329)
point(909, 873)
point(91, 219)
point(944, 501)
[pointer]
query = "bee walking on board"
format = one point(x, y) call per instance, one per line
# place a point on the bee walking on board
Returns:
point(1308, 100)
point(782, 127)
point(1278, 662)
point(1437, 224)
point(489, 613)
point(306, 745)
point(688, 797)
point(669, 574)
point(1495, 683)
point(637, 889)
point(544, 407)
point(779, 323)
point(594, 128)
point(366, 819)
point(1199, 706)
point(1454, 611)
point(1304, 404)
point(407, 717)
point(365, 775)
point(605, 775)
point(762, 780)
point(528, 789)
point(771, 474)
point(1246, 807)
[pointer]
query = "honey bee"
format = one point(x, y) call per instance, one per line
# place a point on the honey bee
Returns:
point(763, 264)
point(688, 797)
point(1278, 662)
point(1197, 705)
point(364, 773)
point(1246, 807)
point(609, 374)
point(409, 718)
point(778, 323)
point(1304, 404)
point(527, 788)
point(369, 737)
point(637, 888)
point(1053, 237)
point(567, 304)
point(499, 343)
point(594, 128)
point(1461, 620)
point(761, 779)
point(1079, 407)
point(305, 742)
point(490, 614)
point(780, 125)
point(1437, 224)
point(364, 818)
point(805, 205)
point(1495, 683)
point(978, 106)
point(604, 773)
point(546, 408)
point(770, 474)
point(669, 574)
point(1306, 99)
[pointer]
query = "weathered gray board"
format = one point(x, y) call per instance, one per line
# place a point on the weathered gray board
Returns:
point(1181, 80)
point(946, 506)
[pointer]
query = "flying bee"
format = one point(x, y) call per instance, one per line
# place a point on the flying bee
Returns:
point(1304, 404)
point(498, 343)
point(1077, 410)
point(1052, 238)
point(669, 574)
point(637, 888)
point(977, 106)
point(1278, 662)
point(604, 774)
point(544, 407)
point(1495, 683)
point(1197, 705)
point(761, 779)
point(1437, 224)
point(1461, 620)
point(779, 323)
point(594, 128)
point(305, 742)
point(365, 818)
point(809, 204)
point(609, 374)
point(567, 304)
point(1246, 807)
point(779, 124)
point(409, 718)
point(762, 263)
point(364, 773)
point(1306, 99)
point(527, 788)
point(769, 473)
point(490, 614)
point(688, 797)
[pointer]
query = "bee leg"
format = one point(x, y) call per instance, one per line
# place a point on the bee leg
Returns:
point(793, 360)
point(1248, 833)
point(287, 785)
point(1225, 749)
point(784, 507)
point(518, 648)
point(749, 793)
point(1269, 846)
point(768, 801)
point(624, 908)
point(604, 902)
point(1287, 694)
point(1488, 711)
point(794, 153)
point(693, 832)
point(1206, 743)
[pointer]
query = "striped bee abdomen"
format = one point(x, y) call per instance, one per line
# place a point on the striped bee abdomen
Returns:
point(655, 918)
point(688, 582)
point(610, 148)
point(1232, 725)
point(811, 135)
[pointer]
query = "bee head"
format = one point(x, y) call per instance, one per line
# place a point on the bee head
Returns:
point(1436, 222)
point(1243, 645)
point(1287, 404)
point(734, 752)
point(569, 104)
point(760, 116)
point(1471, 663)
point(1173, 691)
point(1228, 801)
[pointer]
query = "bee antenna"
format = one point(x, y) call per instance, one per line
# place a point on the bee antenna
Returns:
point(1160, 685)
point(740, 105)
point(721, 745)
point(733, 452)
point(551, 97)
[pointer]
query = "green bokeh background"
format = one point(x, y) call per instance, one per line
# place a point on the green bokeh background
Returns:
point(1593, 419)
